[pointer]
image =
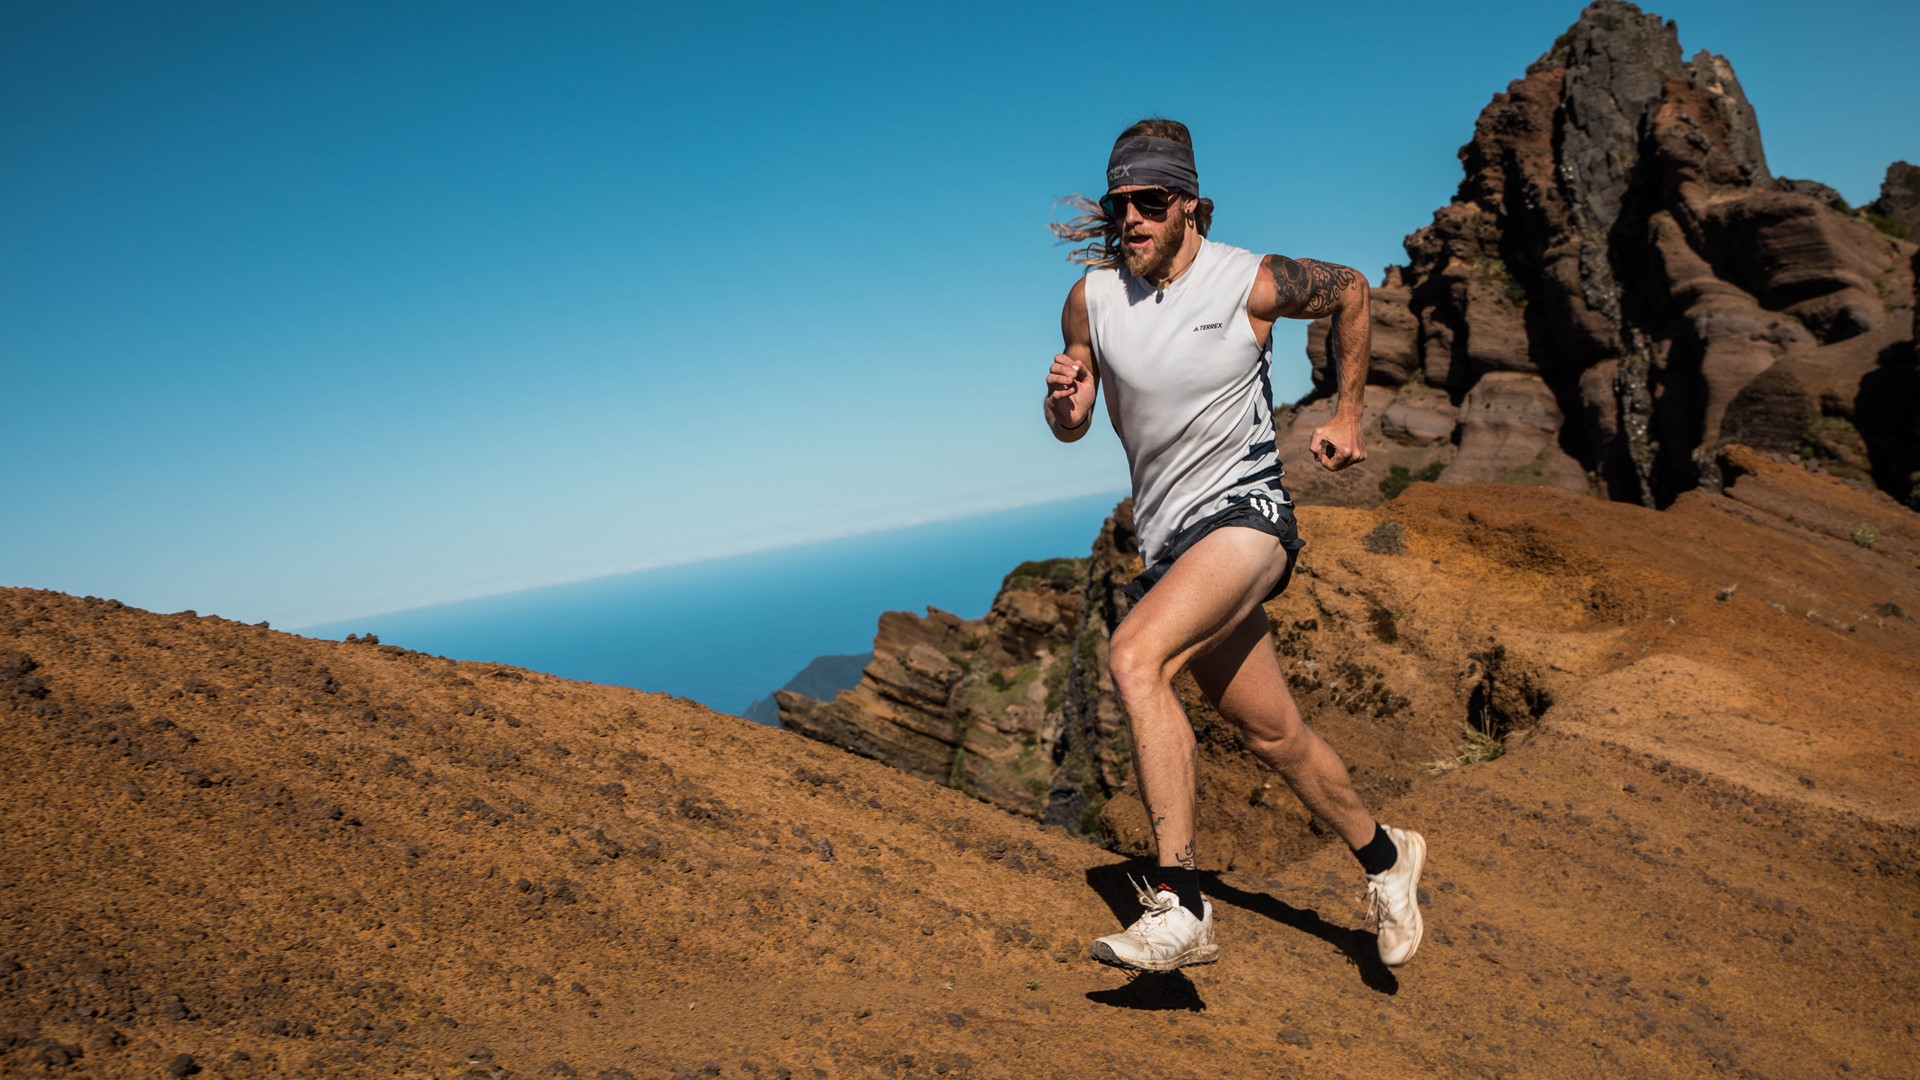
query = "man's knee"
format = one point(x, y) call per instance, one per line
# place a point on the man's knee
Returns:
point(1136, 669)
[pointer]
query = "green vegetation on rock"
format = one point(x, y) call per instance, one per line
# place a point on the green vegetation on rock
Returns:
point(1001, 688)
point(1887, 225)
point(1528, 472)
point(1398, 478)
point(1838, 446)
point(1496, 269)
point(1033, 773)
point(1057, 673)
point(1063, 574)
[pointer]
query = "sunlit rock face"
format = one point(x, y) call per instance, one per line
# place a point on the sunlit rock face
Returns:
point(1642, 290)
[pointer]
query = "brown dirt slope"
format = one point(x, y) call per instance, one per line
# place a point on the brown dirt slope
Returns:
point(238, 851)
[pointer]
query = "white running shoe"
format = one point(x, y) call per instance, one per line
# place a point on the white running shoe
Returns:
point(1393, 898)
point(1165, 938)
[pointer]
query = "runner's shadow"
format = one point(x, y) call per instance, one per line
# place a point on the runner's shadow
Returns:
point(1147, 991)
point(1360, 947)
point(1153, 991)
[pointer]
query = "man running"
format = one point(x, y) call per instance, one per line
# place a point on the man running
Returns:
point(1177, 329)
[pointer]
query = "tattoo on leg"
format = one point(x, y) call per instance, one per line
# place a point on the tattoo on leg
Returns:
point(1186, 857)
point(1307, 288)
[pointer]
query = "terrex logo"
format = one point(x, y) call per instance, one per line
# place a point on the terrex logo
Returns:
point(1208, 326)
point(1119, 171)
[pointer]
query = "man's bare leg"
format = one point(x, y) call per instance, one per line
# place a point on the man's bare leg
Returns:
point(1209, 591)
point(1242, 677)
point(1211, 622)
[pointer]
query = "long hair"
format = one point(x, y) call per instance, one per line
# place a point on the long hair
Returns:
point(1101, 234)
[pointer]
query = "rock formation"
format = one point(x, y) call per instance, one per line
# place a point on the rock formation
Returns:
point(1897, 211)
point(1621, 287)
point(975, 704)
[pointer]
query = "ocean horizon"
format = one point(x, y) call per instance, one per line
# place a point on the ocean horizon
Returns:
point(726, 632)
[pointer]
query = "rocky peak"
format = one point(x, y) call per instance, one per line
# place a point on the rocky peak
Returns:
point(1620, 286)
point(1614, 68)
point(1618, 66)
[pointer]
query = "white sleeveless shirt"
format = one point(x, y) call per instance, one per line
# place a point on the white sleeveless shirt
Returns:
point(1188, 390)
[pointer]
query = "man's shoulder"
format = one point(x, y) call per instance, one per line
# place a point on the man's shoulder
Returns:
point(1077, 295)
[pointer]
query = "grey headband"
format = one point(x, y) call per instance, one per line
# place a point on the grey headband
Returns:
point(1148, 159)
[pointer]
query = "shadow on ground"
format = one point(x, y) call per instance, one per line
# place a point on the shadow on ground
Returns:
point(1153, 991)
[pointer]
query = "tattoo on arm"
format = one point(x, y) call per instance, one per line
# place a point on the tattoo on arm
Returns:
point(1307, 289)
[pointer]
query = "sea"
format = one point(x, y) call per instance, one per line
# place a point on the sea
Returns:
point(728, 632)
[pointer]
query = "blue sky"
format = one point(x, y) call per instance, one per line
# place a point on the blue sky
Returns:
point(317, 310)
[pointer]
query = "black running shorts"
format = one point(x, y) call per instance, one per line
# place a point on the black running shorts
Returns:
point(1254, 511)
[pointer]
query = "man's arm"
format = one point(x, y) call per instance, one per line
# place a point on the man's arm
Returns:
point(1308, 289)
point(1073, 382)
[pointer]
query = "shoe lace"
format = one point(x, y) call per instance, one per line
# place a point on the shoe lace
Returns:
point(1159, 905)
point(1379, 902)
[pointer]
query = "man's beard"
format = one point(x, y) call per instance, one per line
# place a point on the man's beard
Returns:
point(1166, 247)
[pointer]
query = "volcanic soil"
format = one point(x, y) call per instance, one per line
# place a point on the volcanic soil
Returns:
point(236, 852)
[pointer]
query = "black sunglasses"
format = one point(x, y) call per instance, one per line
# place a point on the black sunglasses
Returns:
point(1151, 202)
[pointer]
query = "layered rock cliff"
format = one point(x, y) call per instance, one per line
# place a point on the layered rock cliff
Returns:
point(1621, 287)
point(981, 704)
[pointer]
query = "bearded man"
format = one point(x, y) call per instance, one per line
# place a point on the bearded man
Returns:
point(1177, 329)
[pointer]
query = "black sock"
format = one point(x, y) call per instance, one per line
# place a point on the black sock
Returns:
point(1184, 882)
point(1379, 855)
